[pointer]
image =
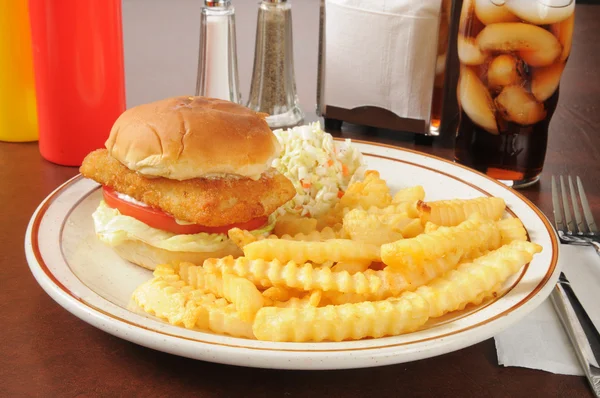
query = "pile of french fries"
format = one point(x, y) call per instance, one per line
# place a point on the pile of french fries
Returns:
point(376, 265)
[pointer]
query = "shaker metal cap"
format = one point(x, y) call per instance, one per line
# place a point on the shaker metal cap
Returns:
point(217, 3)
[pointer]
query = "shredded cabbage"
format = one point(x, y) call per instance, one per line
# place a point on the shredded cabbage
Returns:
point(319, 170)
point(113, 228)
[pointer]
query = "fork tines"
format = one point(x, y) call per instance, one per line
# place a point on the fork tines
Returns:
point(581, 225)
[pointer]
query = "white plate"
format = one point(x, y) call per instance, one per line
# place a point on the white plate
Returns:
point(88, 279)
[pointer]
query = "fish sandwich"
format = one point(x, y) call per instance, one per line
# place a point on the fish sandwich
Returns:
point(179, 173)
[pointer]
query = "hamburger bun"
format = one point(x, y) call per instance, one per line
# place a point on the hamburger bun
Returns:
point(149, 257)
point(182, 138)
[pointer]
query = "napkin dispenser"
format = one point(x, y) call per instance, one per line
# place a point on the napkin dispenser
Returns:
point(383, 64)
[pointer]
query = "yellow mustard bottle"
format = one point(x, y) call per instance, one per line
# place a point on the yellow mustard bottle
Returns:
point(18, 114)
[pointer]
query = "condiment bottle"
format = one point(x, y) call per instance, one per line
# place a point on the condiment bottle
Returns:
point(18, 117)
point(273, 86)
point(79, 75)
point(217, 60)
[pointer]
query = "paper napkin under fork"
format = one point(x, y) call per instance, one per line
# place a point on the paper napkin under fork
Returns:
point(539, 341)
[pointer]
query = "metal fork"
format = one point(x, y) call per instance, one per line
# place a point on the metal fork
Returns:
point(580, 328)
point(577, 232)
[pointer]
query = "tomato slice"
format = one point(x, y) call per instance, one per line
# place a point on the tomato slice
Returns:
point(158, 219)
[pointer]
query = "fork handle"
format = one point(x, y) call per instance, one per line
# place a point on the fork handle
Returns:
point(581, 330)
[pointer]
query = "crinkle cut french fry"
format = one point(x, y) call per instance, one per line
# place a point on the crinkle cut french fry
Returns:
point(200, 278)
point(316, 252)
point(410, 209)
point(310, 299)
point(453, 212)
point(374, 285)
point(181, 304)
point(241, 237)
point(492, 293)
point(375, 229)
point(371, 192)
point(244, 294)
point(470, 235)
point(337, 298)
point(239, 291)
point(222, 317)
point(341, 322)
point(292, 224)
point(167, 272)
point(306, 277)
point(410, 194)
point(431, 269)
point(380, 228)
point(314, 236)
point(470, 281)
point(314, 297)
point(292, 302)
point(511, 229)
point(170, 300)
point(411, 228)
point(226, 320)
point(430, 227)
point(277, 293)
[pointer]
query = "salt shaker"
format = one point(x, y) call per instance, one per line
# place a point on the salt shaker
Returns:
point(217, 60)
point(273, 86)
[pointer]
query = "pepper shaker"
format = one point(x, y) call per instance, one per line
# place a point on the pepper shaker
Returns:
point(273, 86)
point(217, 59)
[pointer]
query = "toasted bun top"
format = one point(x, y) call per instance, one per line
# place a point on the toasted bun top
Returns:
point(191, 137)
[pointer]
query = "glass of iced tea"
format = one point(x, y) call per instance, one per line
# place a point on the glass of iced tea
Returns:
point(512, 54)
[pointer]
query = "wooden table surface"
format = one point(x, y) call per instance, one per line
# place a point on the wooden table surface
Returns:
point(46, 351)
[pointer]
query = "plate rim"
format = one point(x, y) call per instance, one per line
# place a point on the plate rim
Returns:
point(515, 309)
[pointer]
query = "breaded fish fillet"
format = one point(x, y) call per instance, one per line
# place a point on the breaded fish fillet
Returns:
point(206, 201)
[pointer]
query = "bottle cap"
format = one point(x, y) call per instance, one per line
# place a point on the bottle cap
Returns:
point(217, 3)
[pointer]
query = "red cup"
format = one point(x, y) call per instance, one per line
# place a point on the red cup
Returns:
point(79, 75)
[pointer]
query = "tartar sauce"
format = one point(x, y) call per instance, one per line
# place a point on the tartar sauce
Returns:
point(129, 199)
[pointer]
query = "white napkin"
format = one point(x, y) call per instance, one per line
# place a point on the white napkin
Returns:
point(539, 340)
point(381, 53)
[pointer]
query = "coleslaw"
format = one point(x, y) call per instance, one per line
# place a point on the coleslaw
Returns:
point(319, 169)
